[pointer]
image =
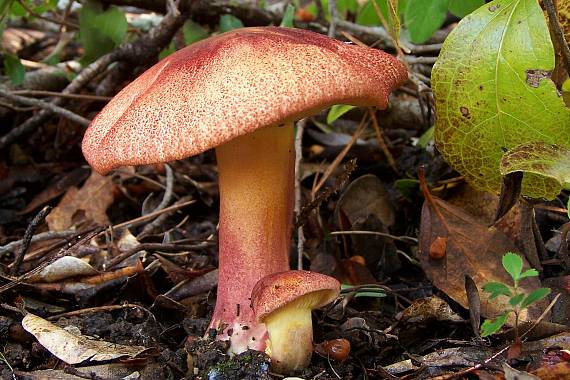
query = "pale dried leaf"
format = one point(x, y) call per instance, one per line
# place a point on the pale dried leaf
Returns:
point(74, 349)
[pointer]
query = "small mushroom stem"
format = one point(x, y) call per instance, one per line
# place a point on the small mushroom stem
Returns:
point(290, 338)
point(256, 173)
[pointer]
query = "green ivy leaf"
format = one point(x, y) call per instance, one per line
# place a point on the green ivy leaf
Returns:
point(549, 161)
point(193, 32)
point(534, 296)
point(14, 69)
point(462, 8)
point(493, 92)
point(423, 18)
point(100, 31)
point(513, 265)
point(491, 326)
point(367, 14)
point(229, 22)
point(337, 111)
point(496, 289)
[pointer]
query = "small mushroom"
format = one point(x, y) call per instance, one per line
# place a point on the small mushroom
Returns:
point(240, 92)
point(284, 301)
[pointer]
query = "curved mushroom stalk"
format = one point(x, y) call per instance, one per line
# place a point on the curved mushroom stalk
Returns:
point(284, 301)
point(256, 190)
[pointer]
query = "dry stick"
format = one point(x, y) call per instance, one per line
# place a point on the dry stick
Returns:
point(382, 142)
point(49, 107)
point(61, 95)
point(298, 196)
point(98, 309)
point(26, 241)
point(556, 29)
point(529, 243)
point(167, 247)
point(167, 197)
point(333, 16)
point(340, 156)
point(50, 235)
point(83, 239)
point(141, 219)
point(41, 17)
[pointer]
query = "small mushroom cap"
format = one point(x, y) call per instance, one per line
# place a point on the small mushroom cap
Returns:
point(229, 85)
point(280, 289)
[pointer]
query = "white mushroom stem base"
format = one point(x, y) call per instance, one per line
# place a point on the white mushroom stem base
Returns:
point(290, 331)
point(256, 177)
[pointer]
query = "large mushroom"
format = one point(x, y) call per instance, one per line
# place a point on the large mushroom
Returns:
point(240, 92)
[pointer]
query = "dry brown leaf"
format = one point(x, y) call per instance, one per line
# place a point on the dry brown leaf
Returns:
point(472, 249)
point(88, 203)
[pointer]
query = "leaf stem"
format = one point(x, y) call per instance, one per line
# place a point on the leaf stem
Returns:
point(557, 32)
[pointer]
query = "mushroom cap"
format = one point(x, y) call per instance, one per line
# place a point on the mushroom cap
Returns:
point(229, 85)
point(277, 290)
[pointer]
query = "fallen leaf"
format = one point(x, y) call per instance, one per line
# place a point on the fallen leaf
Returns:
point(89, 203)
point(74, 349)
point(472, 249)
point(62, 268)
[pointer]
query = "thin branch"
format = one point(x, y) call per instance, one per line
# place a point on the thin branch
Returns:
point(298, 194)
point(61, 95)
point(333, 16)
point(27, 240)
point(556, 29)
point(49, 107)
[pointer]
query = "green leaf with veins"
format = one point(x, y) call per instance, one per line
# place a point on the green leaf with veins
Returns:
point(423, 18)
point(493, 92)
point(550, 161)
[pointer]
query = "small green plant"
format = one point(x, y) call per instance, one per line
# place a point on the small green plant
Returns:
point(518, 299)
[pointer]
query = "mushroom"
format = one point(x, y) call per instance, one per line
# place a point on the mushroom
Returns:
point(283, 302)
point(240, 92)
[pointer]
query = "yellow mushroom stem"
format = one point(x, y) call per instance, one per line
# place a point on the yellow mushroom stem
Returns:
point(290, 331)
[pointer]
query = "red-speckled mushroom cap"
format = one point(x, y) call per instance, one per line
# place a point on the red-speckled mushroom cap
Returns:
point(279, 289)
point(229, 85)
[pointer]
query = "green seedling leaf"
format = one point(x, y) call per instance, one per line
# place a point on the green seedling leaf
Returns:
point(493, 92)
point(407, 187)
point(370, 294)
point(535, 295)
point(513, 265)
point(462, 8)
point(14, 69)
point(514, 301)
point(426, 137)
point(337, 111)
point(491, 326)
point(496, 289)
point(423, 18)
point(288, 17)
point(529, 273)
point(100, 31)
point(550, 161)
point(171, 48)
point(229, 22)
point(193, 32)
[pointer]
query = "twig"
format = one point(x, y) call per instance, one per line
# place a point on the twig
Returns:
point(556, 29)
point(298, 193)
point(333, 17)
point(403, 239)
point(41, 17)
point(10, 247)
point(141, 219)
point(61, 95)
point(330, 169)
point(156, 247)
point(422, 49)
point(26, 241)
point(98, 309)
point(50, 107)
point(412, 60)
point(83, 238)
point(167, 197)
point(382, 142)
